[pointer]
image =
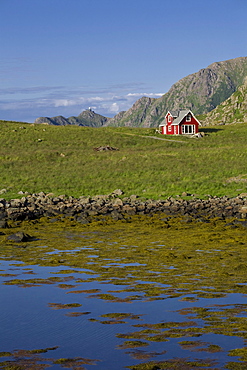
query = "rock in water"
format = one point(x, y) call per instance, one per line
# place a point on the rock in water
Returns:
point(19, 237)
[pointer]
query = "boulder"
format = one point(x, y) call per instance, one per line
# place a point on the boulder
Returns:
point(117, 192)
point(19, 237)
point(3, 224)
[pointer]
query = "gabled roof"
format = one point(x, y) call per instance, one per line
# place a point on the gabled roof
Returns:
point(181, 114)
point(178, 116)
point(174, 113)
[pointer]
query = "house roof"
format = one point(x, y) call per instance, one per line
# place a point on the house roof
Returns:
point(178, 116)
point(174, 113)
point(181, 114)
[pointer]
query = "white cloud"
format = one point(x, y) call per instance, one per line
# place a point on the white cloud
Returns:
point(66, 102)
point(146, 94)
point(114, 108)
point(76, 101)
point(96, 98)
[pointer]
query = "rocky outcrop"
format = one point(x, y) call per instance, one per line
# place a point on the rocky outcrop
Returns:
point(138, 111)
point(86, 118)
point(116, 119)
point(201, 92)
point(232, 110)
point(86, 209)
point(58, 121)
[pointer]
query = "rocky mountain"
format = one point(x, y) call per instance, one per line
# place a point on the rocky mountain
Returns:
point(138, 111)
point(234, 109)
point(201, 91)
point(86, 118)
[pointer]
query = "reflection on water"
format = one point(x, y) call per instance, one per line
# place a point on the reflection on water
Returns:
point(167, 298)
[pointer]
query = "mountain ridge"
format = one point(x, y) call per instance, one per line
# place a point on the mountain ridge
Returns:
point(201, 92)
point(86, 118)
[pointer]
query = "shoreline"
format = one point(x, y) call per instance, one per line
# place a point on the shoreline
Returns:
point(86, 209)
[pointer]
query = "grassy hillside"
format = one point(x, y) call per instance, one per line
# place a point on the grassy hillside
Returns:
point(62, 160)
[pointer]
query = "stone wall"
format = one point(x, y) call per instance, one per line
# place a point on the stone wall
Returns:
point(115, 205)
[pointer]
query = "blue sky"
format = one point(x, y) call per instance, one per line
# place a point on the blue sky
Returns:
point(59, 57)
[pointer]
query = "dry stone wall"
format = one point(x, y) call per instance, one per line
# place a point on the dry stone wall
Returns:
point(115, 205)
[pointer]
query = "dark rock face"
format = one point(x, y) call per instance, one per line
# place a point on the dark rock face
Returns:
point(85, 209)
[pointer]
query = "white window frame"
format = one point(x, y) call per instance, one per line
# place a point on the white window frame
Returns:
point(169, 118)
point(188, 129)
point(169, 128)
point(188, 118)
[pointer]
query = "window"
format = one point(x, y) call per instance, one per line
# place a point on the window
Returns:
point(169, 128)
point(188, 129)
point(188, 118)
point(169, 118)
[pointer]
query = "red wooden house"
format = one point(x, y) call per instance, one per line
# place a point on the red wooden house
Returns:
point(181, 122)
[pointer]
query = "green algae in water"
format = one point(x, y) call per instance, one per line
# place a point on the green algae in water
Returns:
point(32, 359)
point(146, 261)
point(77, 314)
point(74, 362)
point(184, 247)
point(5, 354)
point(175, 364)
point(197, 346)
point(60, 306)
point(133, 344)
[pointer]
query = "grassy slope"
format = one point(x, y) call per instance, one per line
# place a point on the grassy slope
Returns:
point(143, 166)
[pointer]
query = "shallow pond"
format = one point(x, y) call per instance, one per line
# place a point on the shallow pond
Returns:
point(150, 292)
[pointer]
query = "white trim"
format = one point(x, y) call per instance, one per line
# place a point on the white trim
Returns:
point(195, 118)
point(190, 129)
point(182, 117)
point(168, 112)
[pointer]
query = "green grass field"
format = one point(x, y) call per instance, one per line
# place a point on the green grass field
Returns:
point(61, 160)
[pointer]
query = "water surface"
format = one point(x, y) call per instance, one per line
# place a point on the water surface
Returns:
point(145, 294)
